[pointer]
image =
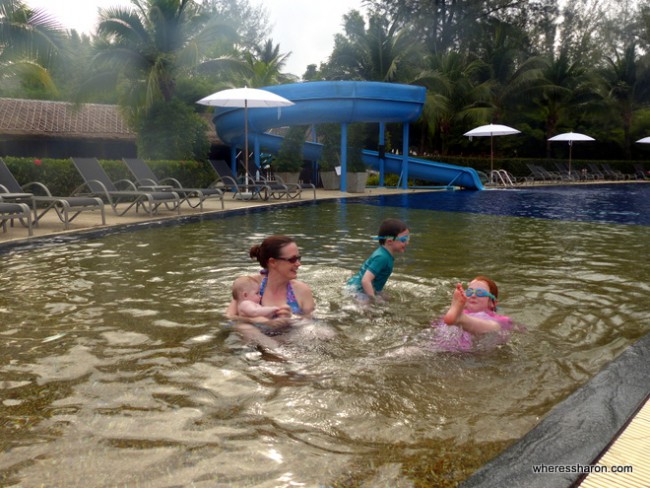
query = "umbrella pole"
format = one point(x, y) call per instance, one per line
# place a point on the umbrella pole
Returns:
point(491, 155)
point(570, 148)
point(246, 144)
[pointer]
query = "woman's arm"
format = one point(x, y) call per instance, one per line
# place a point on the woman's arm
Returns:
point(305, 297)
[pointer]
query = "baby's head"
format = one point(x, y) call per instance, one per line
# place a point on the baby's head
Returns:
point(246, 288)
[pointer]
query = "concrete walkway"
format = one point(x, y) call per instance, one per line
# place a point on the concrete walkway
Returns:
point(50, 225)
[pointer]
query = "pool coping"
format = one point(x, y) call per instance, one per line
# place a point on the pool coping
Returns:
point(576, 432)
point(171, 221)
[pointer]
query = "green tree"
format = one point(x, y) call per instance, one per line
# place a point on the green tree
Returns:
point(263, 67)
point(559, 94)
point(172, 130)
point(145, 53)
point(625, 91)
point(29, 44)
point(510, 71)
point(384, 51)
point(289, 157)
point(452, 95)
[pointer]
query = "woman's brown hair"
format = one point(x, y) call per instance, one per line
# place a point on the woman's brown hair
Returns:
point(270, 248)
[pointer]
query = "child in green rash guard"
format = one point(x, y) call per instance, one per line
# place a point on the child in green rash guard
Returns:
point(368, 283)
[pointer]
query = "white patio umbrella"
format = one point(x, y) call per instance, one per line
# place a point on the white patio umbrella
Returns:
point(491, 130)
point(645, 140)
point(245, 98)
point(570, 137)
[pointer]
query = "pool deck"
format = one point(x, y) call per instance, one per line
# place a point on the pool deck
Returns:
point(604, 423)
point(51, 226)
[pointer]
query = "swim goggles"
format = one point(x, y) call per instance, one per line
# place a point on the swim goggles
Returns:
point(479, 292)
point(400, 239)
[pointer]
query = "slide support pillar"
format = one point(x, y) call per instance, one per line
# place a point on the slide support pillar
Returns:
point(405, 155)
point(256, 148)
point(233, 159)
point(382, 152)
point(344, 157)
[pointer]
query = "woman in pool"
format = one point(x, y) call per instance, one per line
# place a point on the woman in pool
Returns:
point(472, 316)
point(279, 258)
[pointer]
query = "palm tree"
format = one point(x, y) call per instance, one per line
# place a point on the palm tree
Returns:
point(560, 92)
point(511, 71)
point(624, 91)
point(264, 67)
point(144, 51)
point(451, 96)
point(385, 51)
point(29, 44)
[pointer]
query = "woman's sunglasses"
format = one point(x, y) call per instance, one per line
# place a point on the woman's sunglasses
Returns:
point(292, 260)
point(479, 292)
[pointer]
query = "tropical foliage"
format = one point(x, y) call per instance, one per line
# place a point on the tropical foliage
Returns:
point(289, 157)
point(544, 66)
point(30, 44)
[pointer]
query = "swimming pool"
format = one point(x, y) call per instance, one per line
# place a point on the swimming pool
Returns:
point(123, 370)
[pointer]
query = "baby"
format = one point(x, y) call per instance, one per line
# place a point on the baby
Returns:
point(246, 292)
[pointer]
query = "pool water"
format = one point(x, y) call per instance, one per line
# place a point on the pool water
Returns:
point(117, 366)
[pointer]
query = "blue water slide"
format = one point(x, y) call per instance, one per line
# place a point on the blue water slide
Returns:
point(442, 174)
point(341, 102)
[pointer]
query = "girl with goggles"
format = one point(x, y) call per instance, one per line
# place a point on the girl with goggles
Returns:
point(471, 315)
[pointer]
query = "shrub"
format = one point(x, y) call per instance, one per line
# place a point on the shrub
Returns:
point(289, 159)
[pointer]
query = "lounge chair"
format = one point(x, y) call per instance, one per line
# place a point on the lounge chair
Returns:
point(302, 184)
point(146, 180)
point(565, 173)
point(276, 187)
point(538, 173)
point(639, 172)
point(66, 208)
point(227, 181)
point(97, 183)
point(11, 211)
point(595, 171)
point(614, 174)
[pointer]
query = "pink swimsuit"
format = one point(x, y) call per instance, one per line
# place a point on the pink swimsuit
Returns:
point(454, 339)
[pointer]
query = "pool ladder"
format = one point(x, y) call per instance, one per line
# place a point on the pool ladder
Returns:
point(500, 177)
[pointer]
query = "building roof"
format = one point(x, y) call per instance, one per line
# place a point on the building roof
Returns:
point(68, 120)
point(62, 119)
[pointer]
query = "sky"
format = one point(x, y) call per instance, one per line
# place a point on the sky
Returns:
point(306, 28)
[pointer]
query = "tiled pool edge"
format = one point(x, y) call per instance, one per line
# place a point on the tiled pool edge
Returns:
point(577, 430)
point(95, 232)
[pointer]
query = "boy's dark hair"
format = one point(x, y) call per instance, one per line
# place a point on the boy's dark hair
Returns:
point(390, 228)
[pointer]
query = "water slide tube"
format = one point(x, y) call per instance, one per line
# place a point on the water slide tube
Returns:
point(342, 102)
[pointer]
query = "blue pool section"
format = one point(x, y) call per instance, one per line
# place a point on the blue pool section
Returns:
point(614, 203)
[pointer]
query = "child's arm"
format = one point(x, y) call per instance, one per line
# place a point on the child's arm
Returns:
point(470, 323)
point(456, 308)
point(366, 283)
point(477, 325)
point(252, 309)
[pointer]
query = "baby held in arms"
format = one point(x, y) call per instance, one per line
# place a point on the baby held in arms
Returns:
point(246, 292)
